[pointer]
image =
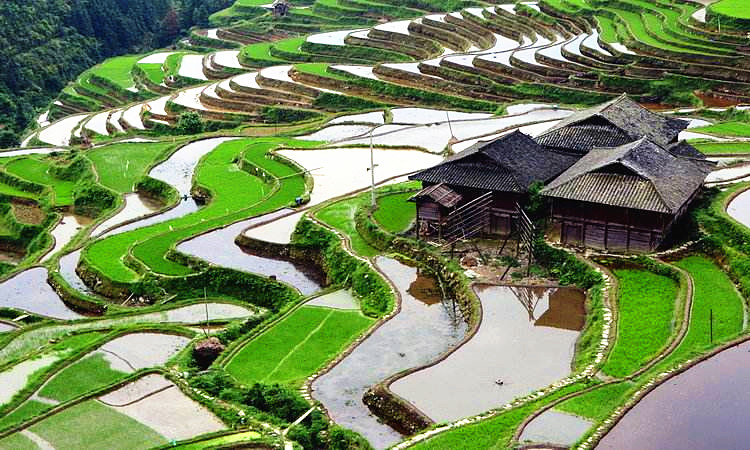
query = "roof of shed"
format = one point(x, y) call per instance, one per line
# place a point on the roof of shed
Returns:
point(440, 194)
point(510, 163)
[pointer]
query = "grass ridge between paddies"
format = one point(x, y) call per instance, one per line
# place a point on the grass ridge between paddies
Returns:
point(235, 195)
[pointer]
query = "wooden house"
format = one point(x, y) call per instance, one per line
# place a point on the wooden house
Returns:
point(500, 171)
point(280, 8)
point(626, 198)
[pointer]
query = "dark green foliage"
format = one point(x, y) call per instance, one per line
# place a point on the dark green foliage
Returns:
point(335, 102)
point(343, 439)
point(92, 199)
point(271, 114)
point(564, 266)
point(218, 281)
point(213, 382)
point(190, 123)
point(308, 434)
point(78, 169)
point(156, 189)
point(342, 268)
point(196, 12)
point(281, 401)
point(45, 44)
point(537, 204)
point(234, 331)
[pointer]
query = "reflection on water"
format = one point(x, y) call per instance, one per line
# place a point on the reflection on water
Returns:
point(135, 206)
point(703, 408)
point(29, 291)
point(526, 340)
point(306, 278)
point(426, 289)
point(554, 427)
point(68, 264)
point(417, 335)
point(68, 227)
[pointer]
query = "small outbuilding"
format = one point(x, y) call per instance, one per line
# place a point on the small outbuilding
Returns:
point(281, 8)
point(501, 171)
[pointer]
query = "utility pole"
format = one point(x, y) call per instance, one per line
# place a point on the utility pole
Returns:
point(372, 172)
point(450, 127)
point(205, 302)
point(711, 326)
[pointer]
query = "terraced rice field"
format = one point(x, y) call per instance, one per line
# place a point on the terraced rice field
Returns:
point(220, 187)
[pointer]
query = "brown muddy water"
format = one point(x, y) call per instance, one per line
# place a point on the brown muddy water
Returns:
point(703, 408)
point(29, 291)
point(739, 208)
point(526, 340)
point(308, 279)
point(417, 335)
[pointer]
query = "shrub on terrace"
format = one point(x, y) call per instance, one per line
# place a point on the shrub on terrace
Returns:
point(190, 123)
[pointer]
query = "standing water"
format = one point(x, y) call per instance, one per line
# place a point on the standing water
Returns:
point(526, 341)
point(422, 331)
point(307, 280)
point(702, 408)
point(739, 208)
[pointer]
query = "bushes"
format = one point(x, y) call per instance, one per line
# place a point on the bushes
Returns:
point(337, 103)
point(564, 266)
point(278, 400)
point(190, 123)
point(343, 268)
point(272, 114)
point(343, 439)
point(91, 200)
point(156, 189)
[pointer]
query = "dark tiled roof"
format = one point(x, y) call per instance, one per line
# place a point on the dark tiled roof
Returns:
point(439, 193)
point(510, 163)
point(472, 175)
point(580, 138)
point(682, 148)
point(614, 123)
point(639, 175)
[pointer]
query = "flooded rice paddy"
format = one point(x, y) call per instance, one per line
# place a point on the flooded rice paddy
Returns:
point(422, 331)
point(29, 291)
point(160, 405)
point(702, 408)
point(739, 208)
point(337, 300)
point(135, 206)
point(137, 351)
point(65, 231)
point(526, 341)
point(305, 278)
point(554, 427)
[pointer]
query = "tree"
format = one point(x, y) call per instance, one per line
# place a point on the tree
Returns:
point(170, 26)
point(190, 123)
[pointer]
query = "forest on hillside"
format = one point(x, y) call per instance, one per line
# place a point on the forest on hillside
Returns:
point(46, 43)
